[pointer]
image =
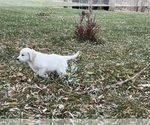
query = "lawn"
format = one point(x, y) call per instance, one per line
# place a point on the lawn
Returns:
point(88, 91)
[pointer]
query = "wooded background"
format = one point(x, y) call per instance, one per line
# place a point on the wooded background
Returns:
point(124, 5)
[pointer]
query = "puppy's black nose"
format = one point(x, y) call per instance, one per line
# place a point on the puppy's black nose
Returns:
point(17, 59)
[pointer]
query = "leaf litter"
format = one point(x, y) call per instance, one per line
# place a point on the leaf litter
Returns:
point(86, 91)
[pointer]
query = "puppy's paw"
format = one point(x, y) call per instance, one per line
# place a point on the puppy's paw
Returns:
point(64, 75)
point(42, 73)
point(45, 76)
point(35, 74)
point(67, 74)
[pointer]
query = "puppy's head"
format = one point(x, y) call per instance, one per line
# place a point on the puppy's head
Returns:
point(26, 55)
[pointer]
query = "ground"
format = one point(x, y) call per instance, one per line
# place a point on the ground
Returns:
point(87, 92)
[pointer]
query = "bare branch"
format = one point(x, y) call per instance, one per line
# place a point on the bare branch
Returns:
point(116, 85)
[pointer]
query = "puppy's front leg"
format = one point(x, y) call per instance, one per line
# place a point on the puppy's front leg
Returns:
point(42, 73)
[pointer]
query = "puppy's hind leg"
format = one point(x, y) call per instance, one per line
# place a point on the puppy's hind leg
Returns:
point(61, 69)
point(61, 72)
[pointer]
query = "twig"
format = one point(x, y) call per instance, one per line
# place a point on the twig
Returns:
point(133, 77)
point(127, 80)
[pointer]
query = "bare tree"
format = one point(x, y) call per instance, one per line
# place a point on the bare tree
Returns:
point(112, 5)
point(99, 2)
point(136, 5)
point(143, 5)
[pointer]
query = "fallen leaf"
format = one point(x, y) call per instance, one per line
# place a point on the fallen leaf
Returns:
point(90, 73)
point(19, 74)
point(139, 88)
point(61, 106)
point(13, 103)
point(127, 111)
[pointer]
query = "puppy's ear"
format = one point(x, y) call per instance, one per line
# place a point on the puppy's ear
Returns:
point(32, 55)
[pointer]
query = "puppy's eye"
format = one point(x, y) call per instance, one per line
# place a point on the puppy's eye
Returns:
point(22, 55)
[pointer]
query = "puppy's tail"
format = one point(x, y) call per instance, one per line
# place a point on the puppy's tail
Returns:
point(71, 57)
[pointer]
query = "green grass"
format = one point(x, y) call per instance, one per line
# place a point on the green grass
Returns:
point(125, 50)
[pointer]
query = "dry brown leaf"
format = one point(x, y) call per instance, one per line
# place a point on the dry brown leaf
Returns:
point(65, 98)
point(139, 88)
point(13, 103)
point(127, 111)
point(19, 74)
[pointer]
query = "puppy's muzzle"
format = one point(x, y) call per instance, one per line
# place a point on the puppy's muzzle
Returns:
point(18, 59)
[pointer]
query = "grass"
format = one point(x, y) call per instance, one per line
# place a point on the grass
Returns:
point(124, 51)
point(39, 3)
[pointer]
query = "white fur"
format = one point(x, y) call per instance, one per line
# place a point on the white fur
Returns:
point(42, 63)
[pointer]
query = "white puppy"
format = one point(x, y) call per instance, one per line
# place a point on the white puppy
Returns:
point(42, 63)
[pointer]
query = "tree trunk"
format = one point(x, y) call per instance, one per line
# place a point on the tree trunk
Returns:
point(142, 5)
point(112, 5)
